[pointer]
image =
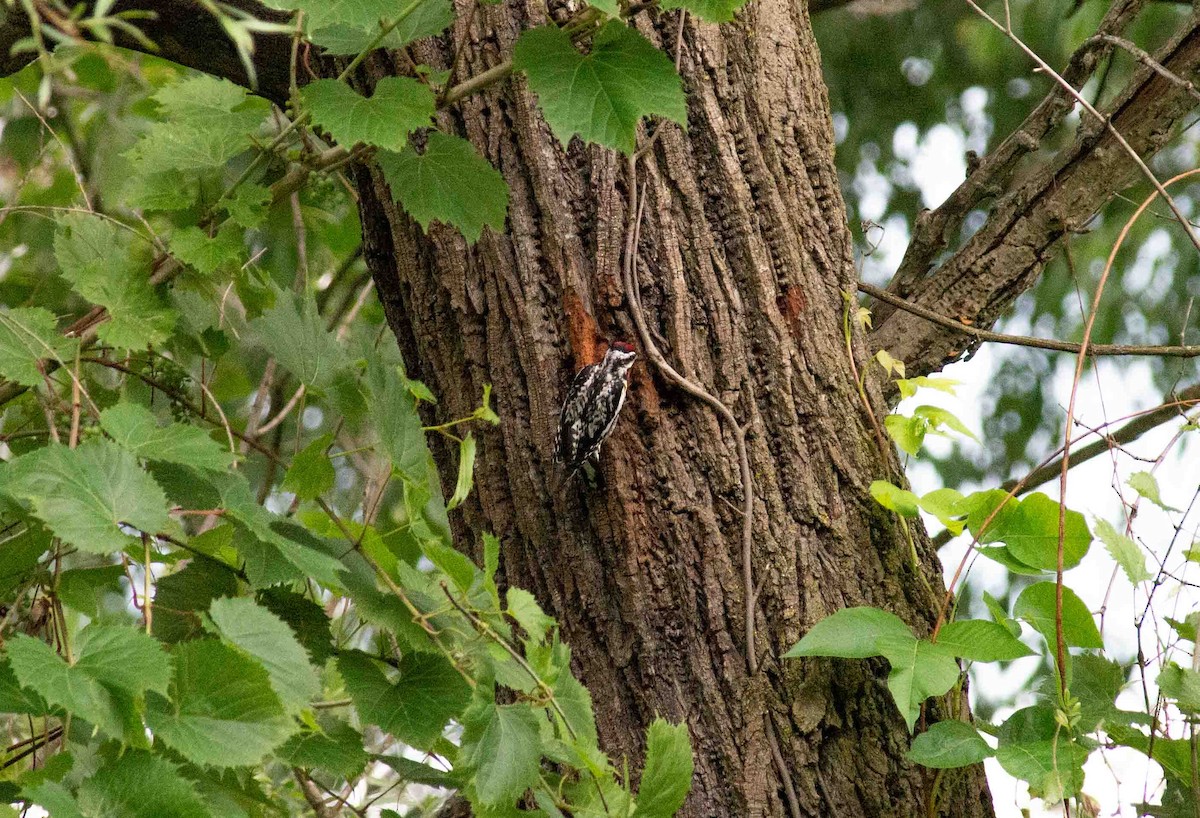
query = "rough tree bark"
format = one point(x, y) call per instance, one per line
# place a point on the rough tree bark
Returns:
point(744, 259)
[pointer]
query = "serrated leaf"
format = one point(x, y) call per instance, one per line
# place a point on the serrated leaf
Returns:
point(249, 205)
point(894, 498)
point(267, 639)
point(851, 633)
point(466, 472)
point(1146, 484)
point(523, 607)
point(949, 744)
point(1125, 551)
point(180, 597)
point(1182, 685)
point(208, 121)
point(95, 256)
point(222, 711)
point(85, 495)
point(27, 336)
point(135, 428)
point(205, 253)
point(504, 753)
point(139, 785)
point(667, 776)
point(294, 333)
point(337, 749)
point(349, 26)
point(416, 708)
point(712, 11)
point(37, 667)
point(123, 658)
point(397, 423)
point(982, 641)
point(603, 95)
point(54, 798)
point(576, 703)
point(399, 105)
point(306, 618)
point(1036, 605)
point(311, 472)
point(449, 182)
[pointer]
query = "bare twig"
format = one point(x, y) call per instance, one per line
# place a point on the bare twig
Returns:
point(1191, 351)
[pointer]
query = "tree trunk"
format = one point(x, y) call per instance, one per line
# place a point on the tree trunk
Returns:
point(744, 258)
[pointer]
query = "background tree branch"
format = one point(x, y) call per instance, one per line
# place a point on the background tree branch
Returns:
point(1005, 257)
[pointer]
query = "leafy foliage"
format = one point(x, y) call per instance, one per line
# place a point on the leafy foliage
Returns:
point(222, 481)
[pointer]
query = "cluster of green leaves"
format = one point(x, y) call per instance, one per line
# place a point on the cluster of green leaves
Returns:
point(1046, 744)
point(203, 619)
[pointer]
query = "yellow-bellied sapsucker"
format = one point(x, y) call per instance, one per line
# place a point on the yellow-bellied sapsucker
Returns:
point(590, 410)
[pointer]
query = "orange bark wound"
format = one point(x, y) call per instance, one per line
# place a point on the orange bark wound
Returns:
point(582, 330)
point(792, 303)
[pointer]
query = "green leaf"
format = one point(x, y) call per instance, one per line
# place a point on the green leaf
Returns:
point(851, 633)
point(1036, 605)
point(54, 798)
point(1031, 534)
point(1145, 484)
point(135, 429)
point(399, 105)
point(123, 658)
point(86, 494)
point(1125, 551)
point(417, 706)
point(1000, 616)
point(306, 618)
point(249, 205)
point(504, 753)
point(37, 667)
point(208, 122)
point(397, 423)
point(667, 776)
point(87, 589)
point(1034, 749)
point(205, 253)
point(266, 638)
point(180, 597)
point(95, 256)
point(920, 669)
point(982, 641)
point(896, 499)
point(524, 608)
point(908, 432)
point(946, 505)
point(980, 505)
point(415, 772)
point(294, 333)
point(909, 386)
point(466, 471)
point(139, 785)
point(349, 26)
point(711, 11)
point(938, 417)
point(337, 749)
point(449, 183)
point(311, 473)
point(576, 703)
point(949, 744)
point(603, 95)
point(28, 335)
point(222, 710)
point(1182, 685)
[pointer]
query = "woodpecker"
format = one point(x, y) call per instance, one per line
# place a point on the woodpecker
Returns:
point(592, 405)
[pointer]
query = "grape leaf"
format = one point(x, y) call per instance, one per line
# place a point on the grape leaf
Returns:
point(87, 494)
point(399, 105)
point(449, 183)
point(601, 96)
point(135, 429)
point(27, 335)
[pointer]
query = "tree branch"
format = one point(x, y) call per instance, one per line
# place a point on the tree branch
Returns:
point(185, 33)
point(982, 335)
point(1008, 253)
